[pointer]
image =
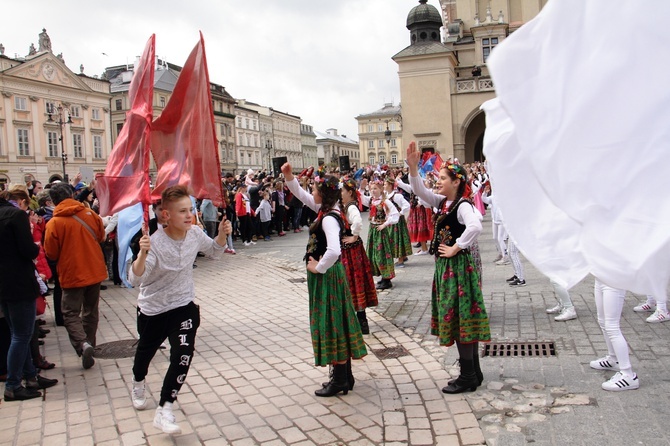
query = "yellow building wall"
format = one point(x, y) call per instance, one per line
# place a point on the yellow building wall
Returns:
point(425, 89)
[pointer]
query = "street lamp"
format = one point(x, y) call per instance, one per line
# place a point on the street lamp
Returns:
point(60, 113)
point(268, 147)
point(387, 134)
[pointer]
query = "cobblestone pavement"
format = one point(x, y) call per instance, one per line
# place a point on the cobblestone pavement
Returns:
point(555, 400)
point(253, 377)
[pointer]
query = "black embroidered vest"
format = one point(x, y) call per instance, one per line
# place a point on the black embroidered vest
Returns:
point(447, 226)
point(318, 243)
point(377, 213)
point(390, 198)
point(347, 229)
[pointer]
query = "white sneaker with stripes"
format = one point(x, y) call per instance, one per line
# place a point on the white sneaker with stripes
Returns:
point(605, 363)
point(644, 307)
point(659, 316)
point(621, 382)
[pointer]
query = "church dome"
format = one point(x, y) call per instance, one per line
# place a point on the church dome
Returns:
point(424, 13)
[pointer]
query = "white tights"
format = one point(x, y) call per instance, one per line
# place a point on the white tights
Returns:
point(499, 236)
point(609, 303)
point(661, 302)
point(562, 295)
point(513, 253)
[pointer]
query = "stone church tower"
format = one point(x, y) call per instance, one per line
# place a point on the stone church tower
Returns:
point(444, 80)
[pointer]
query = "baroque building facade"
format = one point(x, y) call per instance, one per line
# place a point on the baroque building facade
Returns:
point(247, 128)
point(444, 79)
point(380, 136)
point(287, 138)
point(280, 133)
point(50, 115)
point(309, 148)
point(330, 147)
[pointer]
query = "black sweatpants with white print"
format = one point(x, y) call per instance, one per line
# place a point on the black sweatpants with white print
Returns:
point(179, 326)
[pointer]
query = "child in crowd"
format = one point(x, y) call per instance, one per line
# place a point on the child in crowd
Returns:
point(164, 273)
point(265, 213)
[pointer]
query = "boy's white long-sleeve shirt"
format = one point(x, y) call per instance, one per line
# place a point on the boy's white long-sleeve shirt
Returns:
point(167, 282)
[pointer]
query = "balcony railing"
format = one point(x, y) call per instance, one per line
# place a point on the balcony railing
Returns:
point(474, 85)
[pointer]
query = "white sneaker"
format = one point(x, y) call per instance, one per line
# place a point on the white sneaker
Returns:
point(504, 261)
point(621, 382)
point(497, 259)
point(659, 316)
point(605, 363)
point(252, 242)
point(165, 421)
point(566, 315)
point(421, 253)
point(138, 395)
point(555, 310)
point(644, 307)
point(247, 244)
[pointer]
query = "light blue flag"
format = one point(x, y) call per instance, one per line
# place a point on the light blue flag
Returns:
point(130, 221)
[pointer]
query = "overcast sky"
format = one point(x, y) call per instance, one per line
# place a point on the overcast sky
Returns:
point(325, 61)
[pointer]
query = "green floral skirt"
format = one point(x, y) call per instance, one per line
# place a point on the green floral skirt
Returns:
point(380, 252)
point(458, 312)
point(402, 247)
point(336, 332)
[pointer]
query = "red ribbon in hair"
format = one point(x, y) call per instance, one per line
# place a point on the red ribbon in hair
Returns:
point(468, 191)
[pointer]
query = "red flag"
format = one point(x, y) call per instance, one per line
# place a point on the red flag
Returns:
point(437, 164)
point(425, 157)
point(126, 178)
point(183, 138)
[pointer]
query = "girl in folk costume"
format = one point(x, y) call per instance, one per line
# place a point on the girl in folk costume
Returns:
point(402, 247)
point(336, 333)
point(419, 222)
point(458, 313)
point(383, 214)
point(354, 258)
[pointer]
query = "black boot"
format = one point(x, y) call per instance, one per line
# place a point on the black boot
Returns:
point(350, 374)
point(385, 284)
point(478, 370)
point(330, 376)
point(338, 384)
point(363, 320)
point(467, 381)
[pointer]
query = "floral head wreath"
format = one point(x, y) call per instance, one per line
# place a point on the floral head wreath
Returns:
point(330, 182)
point(457, 170)
point(390, 180)
point(350, 183)
point(376, 179)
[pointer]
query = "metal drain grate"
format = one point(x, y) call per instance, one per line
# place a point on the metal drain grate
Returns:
point(524, 349)
point(391, 352)
point(116, 349)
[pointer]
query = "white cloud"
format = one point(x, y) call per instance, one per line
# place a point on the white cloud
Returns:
point(326, 61)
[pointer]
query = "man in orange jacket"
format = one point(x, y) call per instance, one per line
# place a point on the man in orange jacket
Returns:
point(73, 238)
